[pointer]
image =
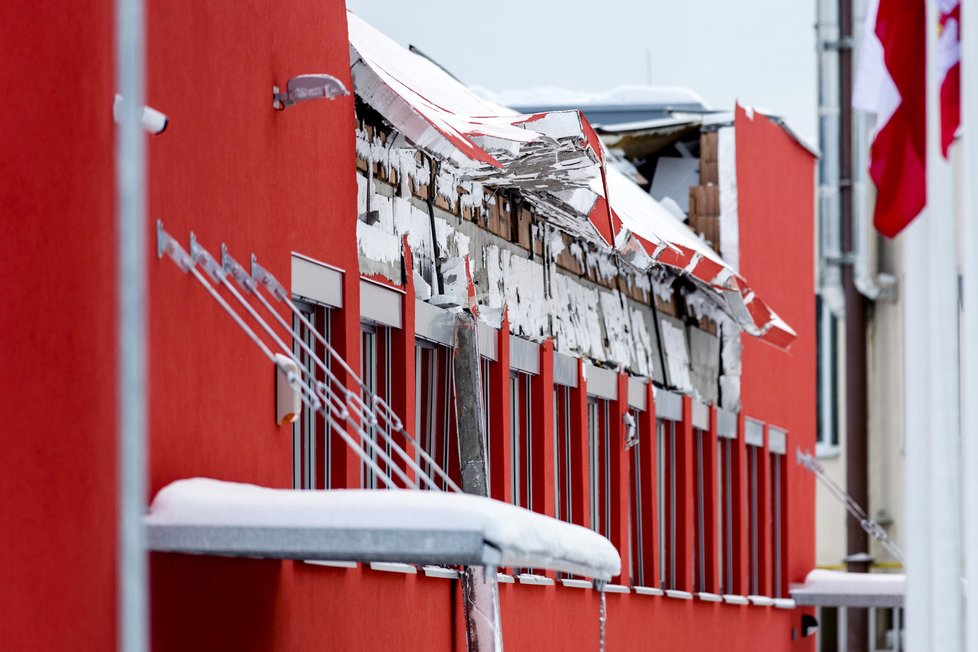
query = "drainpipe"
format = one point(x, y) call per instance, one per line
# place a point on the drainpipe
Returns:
point(130, 174)
point(857, 467)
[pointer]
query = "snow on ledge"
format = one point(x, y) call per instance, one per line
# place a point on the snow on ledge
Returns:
point(208, 516)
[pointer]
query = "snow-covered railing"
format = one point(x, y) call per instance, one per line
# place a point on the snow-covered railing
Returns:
point(356, 415)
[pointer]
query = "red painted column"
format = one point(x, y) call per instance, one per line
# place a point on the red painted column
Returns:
point(542, 387)
point(782, 461)
point(345, 339)
point(710, 506)
point(650, 498)
point(741, 541)
point(403, 386)
point(501, 447)
point(580, 455)
point(685, 488)
point(544, 498)
point(620, 464)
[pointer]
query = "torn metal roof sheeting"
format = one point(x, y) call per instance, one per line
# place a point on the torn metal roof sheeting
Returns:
point(555, 158)
point(673, 244)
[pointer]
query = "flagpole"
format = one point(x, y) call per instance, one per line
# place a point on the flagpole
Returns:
point(941, 380)
point(968, 145)
point(916, 453)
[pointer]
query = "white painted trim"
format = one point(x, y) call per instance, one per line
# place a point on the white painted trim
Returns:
point(726, 424)
point(602, 383)
point(572, 583)
point(393, 567)
point(524, 355)
point(648, 590)
point(754, 432)
point(488, 338)
point(534, 579)
point(701, 415)
point(440, 571)
point(668, 405)
point(777, 440)
point(331, 564)
point(616, 588)
point(504, 578)
point(679, 595)
point(784, 603)
point(735, 599)
point(565, 370)
point(761, 600)
point(636, 393)
point(709, 597)
point(433, 323)
point(316, 281)
point(381, 304)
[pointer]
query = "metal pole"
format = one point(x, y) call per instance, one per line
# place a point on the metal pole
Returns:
point(941, 382)
point(857, 466)
point(130, 168)
point(968, 144)
point(479, 585)
point(917, 450)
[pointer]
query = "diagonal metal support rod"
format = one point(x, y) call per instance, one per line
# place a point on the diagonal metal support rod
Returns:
point(872, 528)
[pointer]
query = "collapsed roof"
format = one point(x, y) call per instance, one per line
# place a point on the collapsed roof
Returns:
point(557, 162)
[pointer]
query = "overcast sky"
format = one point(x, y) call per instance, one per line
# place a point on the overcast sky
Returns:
point(761, 52)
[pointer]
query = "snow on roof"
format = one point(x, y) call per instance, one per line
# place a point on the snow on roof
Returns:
point(202, 515)
point(632, 94)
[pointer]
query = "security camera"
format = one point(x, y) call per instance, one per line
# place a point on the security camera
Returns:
point(152, 121)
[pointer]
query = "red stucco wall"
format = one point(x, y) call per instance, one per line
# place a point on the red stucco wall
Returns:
point(776, 206)
point(57, 327)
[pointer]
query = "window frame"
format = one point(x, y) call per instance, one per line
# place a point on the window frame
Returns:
point(308, 431)
point(754, 440)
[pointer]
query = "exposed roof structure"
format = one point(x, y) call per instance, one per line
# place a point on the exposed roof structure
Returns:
point(557, 161)
point(205, 516)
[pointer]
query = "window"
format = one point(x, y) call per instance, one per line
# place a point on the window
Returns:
point(700, 442)
point(311, 450)
point(375, 366)
point(563, 477)
point(599, 464)
point(754, 437)
point(487, 417)
point(828, 380)
point(777, 445)
point(521, 435)
point(665, 438)
point(435, 410)
point(640, 517)
point(724, 512)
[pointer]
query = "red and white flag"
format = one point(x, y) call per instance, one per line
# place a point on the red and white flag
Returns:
point(949, 69)
point(891, 83)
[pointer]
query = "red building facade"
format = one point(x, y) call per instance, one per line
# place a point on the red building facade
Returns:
point(232, 170)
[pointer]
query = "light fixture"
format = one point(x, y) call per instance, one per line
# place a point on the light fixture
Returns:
point(308, 87)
